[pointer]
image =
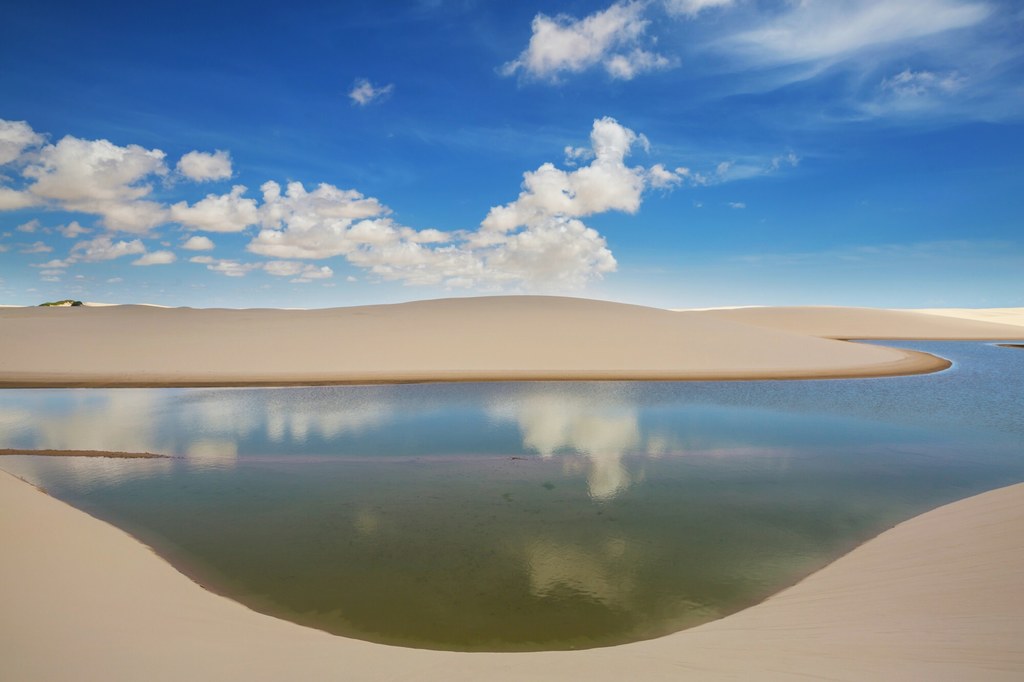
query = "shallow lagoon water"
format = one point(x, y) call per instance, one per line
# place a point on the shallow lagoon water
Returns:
point(522, 516)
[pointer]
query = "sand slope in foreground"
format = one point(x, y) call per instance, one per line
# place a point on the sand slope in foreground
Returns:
point(936, 598)
point(505, 337)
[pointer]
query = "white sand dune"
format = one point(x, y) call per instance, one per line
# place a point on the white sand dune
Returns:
point(869, 323)
point(1013, 316)
point(487, 338)
point(938, 597)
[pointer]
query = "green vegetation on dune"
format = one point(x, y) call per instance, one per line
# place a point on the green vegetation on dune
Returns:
point(63, 303)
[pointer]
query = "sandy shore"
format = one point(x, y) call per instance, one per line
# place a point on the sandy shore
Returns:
point(475, 339)
point(936, 598)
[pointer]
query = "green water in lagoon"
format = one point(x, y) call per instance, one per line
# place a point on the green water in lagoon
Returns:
point(524, 516)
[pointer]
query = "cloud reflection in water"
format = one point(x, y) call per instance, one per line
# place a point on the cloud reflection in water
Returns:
point(601, 574)
point(599, 428)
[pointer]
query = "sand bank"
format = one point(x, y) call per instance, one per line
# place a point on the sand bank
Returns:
point(937, 598)
point(465, 339)
point(114, 454)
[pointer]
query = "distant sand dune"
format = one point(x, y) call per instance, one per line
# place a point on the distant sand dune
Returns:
point(486, 338)
point(868, 323)
point(1013, 316)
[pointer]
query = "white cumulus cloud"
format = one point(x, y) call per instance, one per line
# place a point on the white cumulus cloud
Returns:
point(56, 263)
point(322, 223)
point(225, 266)
point(611, 37)
point(537, 241)
point(285, 268)
point(105, 248)
point(156, 258)
point(660, 177)
point(230, 212)
point(198, 243)
point(605, 184)
point(12, 199)
point(102, 178)
point(16, 137)
point(73, 229)
point(203, 166)
point(627, 66)
point(300, 272)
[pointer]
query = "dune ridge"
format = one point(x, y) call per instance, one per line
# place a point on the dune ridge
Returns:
point(464, 339)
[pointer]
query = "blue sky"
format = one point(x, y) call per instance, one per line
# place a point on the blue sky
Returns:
point(669, 152)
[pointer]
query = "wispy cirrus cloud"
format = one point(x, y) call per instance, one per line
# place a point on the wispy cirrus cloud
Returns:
point(364, 92)
point(950, 250)
point(734, 169)
point(819, 30)
point(845, 48)
point(863, 59)
point(913, 84)
point(36, 247)
point(692, 8)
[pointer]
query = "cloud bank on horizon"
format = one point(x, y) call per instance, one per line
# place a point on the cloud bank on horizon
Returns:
point(719, 131)
point(536, 242)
